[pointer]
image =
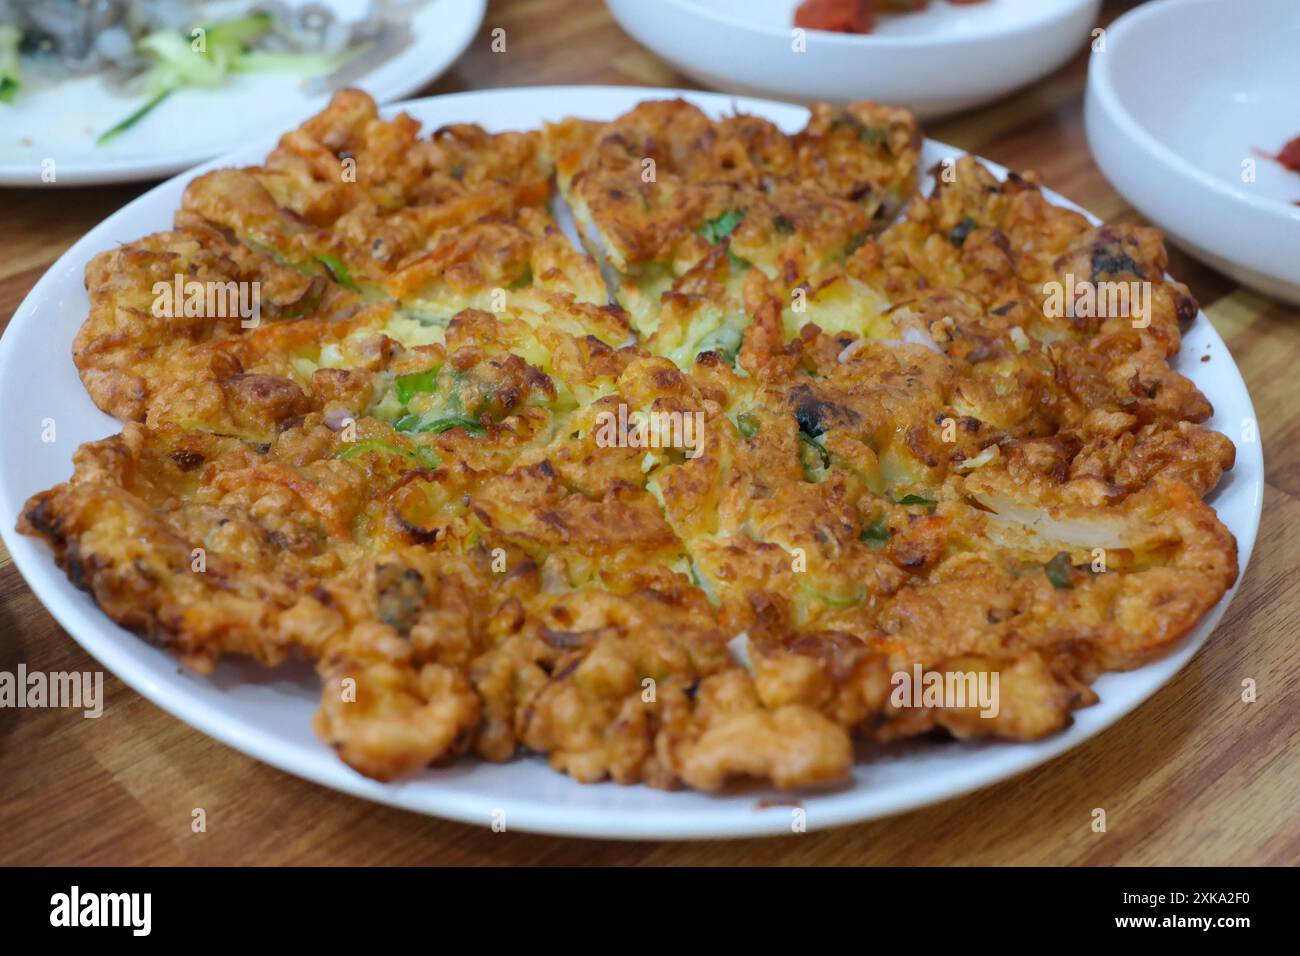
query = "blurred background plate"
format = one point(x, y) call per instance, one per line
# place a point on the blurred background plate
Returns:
point(61, 122)
point(943, 59)
point(1184, 107)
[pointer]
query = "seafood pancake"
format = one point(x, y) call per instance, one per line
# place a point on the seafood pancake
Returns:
point(663, 187)
point(891, 452)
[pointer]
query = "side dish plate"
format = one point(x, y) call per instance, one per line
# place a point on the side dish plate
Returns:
point(60, 123)
point(1211, 187)
point(941, 60)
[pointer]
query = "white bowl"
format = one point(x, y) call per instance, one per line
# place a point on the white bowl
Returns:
point(943, 59)
point(1180, 101)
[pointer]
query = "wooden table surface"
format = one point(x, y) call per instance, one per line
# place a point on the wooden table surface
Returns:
point(1194, 776)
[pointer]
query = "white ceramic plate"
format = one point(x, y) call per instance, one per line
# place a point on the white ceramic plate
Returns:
point(267, 714)
point(1178, 103)
point(61, 122)
point(943, 59)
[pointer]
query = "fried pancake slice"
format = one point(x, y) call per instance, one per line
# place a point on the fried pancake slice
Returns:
point(997, 244)
point(438, 222)
point(658, 189)
point(454, 220)
point(139, 328)
point(425, 643)
point(887, 453)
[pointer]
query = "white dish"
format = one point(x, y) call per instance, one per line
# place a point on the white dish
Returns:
point(60, 123)
point(1178, 103)
point(267, 714)
point(943, 59)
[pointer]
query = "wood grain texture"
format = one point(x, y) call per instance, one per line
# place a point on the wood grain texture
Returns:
point(1194, 776)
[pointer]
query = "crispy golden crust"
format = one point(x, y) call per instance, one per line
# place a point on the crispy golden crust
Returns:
point(655, 189)
point(906, 458)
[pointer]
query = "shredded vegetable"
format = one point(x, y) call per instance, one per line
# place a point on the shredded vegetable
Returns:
point(152, 48)
point(206, 59)
point(11, 74)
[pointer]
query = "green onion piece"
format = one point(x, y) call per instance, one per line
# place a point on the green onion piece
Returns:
point(338, 271)
point(877, 534)
point(717, 229)
point(421, 455)
point(813, 457)
point(408, 386)
point(358, 448)
point(523, 280)
point(426, 457)
point(113, 132)
point(747, 425)
point(929, 503)
point(416, 424)
point(1058, 571)
point(11, 69)
point(834, 600)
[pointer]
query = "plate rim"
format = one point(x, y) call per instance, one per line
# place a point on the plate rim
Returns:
point(107, 642)
point(868, 41)
point(167, 166)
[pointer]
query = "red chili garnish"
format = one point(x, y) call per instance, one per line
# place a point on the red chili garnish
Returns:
point(1289, 156)
point(855, 16)
point(901, 6)
point(838, 16)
